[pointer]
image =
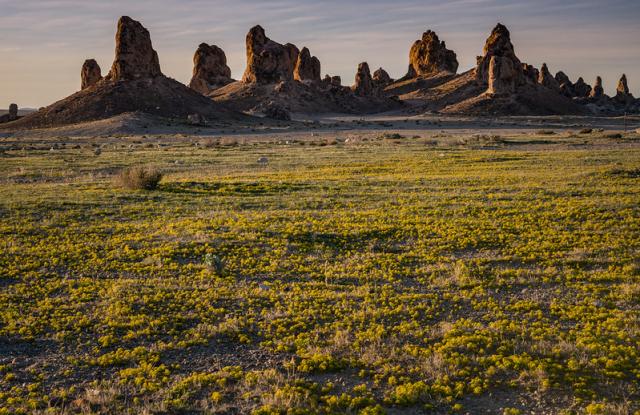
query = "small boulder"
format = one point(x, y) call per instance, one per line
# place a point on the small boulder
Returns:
point(90, 74)
point(277, 112)
point(196, 120)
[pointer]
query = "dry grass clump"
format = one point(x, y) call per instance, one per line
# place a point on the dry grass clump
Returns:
point(139, 178)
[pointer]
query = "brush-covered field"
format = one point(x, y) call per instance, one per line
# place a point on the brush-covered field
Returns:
point(390, 276)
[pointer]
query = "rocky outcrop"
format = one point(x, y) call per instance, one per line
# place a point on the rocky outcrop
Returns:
point(13, 112)
point(210, 69)
point(276, 112)
point(547, 80)
point(581, 89)
point(307, 67)
point(381, 78)
point(134, 85)
point(268, 61)
point(135, 57)
point(597, 91)
point(530, 73)
point(565, 85)
point(623, 87)
point(498, 44)
point(90, 74)
point(12, 115)
point(429, 56)
point(502, 76)
point(364, 82)
point(623, 95)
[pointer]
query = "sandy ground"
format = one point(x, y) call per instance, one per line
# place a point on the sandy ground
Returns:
point(322, 127)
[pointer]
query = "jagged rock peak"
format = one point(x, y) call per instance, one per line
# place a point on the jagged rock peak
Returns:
point(623, 87)
point(381, 78)
point(90, 74)
point(597, 91)
point(268, 61)
point(429, 56)
point(546, 79)
point(498, 44)
point(562, 78)
point(364, 83)
point(307, 67)
point(135, 57)
point(581, 89)
point(210, 69)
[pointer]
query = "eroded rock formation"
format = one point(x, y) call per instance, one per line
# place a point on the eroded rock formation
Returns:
point(364, 82)
point(307, 67)
point(498, 44)
point(90, 74)
point(623, 95)
point(581, 89)
point(13, 112)
point(502, 76)
point(597, 91)
point(12, 115)
point(565, 84)
point(547, 80)
point(429, 56)
point(268, 61)
point(135, 57)
point(381, 78)
point(210, 69)
point(530, 73)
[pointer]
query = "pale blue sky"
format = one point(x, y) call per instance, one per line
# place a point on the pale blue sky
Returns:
point(43, 43)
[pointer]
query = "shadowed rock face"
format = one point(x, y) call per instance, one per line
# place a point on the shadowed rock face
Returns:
point(623, 88)
point(498, 44)
point(547, 80)
point(364, 83)
point(90, 74)
point(268, 61)
point(502, 76)
point(429, 56)
point(622, 91)
point(210, 70)
point(13, 112)
point(597, 91)
point(307, 67)
point(530, 73)
point(135, 57)
point(381, 78)
point(581, 89)
point(565, 84)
